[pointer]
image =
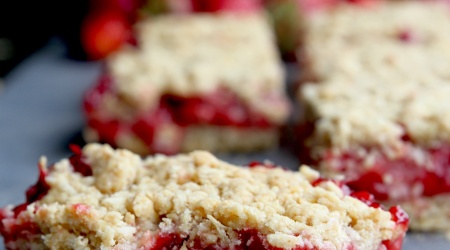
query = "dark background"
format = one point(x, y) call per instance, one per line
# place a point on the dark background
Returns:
point(27, 25)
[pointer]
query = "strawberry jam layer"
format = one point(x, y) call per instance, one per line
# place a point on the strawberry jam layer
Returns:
point(401, 178)
point(235, 6)
point(171, 116)
point(414, 171)
point(311, 6)
point(248, 239)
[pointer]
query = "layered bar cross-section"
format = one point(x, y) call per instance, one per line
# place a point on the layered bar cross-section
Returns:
point(376, 103)
point(193, 81)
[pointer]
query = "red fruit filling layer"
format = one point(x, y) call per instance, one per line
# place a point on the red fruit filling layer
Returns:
point(249, 239)
point(219, 108)
point(226, 5)
point(311, 6)
point(417, 172)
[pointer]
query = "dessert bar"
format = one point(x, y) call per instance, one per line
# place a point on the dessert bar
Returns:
point(193, 81)
point(375, 99)
point(101, 198)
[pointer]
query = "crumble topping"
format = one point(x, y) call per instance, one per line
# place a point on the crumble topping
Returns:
point(195, 54)
point(127, 200)
point(383, 73)
point(206, 137)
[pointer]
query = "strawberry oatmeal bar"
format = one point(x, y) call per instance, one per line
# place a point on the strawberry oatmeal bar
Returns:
point(101, 198)
point(193, 81)
point(376, 103)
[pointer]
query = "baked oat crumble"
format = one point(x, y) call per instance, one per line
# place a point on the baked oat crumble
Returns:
point(383, 73)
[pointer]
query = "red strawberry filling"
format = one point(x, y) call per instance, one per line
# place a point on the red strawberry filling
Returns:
point(225, 5)
point(397, 179)
point(77, 162)
point(416, 172)
point(248, 239)
point(266, 164)
point(172, 115)
point(310, 6)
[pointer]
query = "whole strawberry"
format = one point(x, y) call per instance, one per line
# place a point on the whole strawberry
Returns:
point(104, 32)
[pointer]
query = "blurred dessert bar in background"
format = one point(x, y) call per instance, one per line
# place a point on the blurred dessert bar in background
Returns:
point(375, 95)
point(210, 81)
point(101, 198)
point(288, 20)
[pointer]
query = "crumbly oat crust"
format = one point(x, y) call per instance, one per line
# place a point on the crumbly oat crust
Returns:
point(128, 199)
point(191, 55)
point(210, 138)
point(228, 139)
point(383, 72)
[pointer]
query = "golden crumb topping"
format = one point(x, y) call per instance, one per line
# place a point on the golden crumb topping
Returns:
point(383, 72)
point(127, 200)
